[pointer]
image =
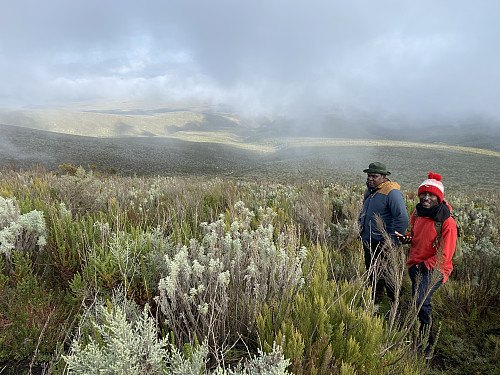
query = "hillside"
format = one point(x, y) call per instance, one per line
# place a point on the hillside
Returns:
point(185, 121)
point(225, 154)
point(23, 147)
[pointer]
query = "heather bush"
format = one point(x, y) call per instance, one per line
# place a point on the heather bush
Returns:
point(109, 260)
point(33, 315)
point(332, 329)
point(346, 260)
point(81, 191)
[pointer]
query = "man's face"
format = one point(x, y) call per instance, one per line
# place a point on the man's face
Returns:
point(428, 200)
point(375, 179)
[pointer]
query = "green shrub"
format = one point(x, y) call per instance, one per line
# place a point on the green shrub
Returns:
point(34, 317)
point(332, 329)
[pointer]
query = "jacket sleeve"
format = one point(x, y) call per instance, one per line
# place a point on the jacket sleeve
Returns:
point(398, 211)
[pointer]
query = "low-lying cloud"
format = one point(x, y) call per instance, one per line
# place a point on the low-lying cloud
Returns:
point(418, 60)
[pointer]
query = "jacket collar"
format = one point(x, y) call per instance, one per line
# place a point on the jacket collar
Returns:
point(372, 190)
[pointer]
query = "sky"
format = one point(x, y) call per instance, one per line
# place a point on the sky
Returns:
point(408, 59)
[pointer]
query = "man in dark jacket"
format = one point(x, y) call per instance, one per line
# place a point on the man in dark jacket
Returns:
point(383, 198)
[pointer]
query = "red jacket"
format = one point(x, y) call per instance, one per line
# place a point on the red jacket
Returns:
point(422, 244)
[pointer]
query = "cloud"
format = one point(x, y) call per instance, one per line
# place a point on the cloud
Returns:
point(416, 59)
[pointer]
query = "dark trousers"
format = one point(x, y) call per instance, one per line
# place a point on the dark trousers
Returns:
point(374, 256)
point(421, 278)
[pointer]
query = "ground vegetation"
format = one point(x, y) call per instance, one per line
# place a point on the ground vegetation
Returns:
point(104, 273)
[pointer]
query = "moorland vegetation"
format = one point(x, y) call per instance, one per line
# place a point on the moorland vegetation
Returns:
point(109, 274)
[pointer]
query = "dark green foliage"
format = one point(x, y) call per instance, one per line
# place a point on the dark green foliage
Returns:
point(64, 244)
point(33, 314)
point(329, 326)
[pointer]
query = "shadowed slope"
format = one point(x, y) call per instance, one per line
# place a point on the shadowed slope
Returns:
point(283, 159)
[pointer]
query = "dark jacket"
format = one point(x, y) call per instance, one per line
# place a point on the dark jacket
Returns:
point(387, 201)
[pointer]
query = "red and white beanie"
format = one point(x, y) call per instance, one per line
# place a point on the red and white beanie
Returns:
point(433, 185)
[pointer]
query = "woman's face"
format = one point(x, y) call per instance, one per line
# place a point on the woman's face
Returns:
point(428, 200)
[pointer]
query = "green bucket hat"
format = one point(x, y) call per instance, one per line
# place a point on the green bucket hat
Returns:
point(377, 167)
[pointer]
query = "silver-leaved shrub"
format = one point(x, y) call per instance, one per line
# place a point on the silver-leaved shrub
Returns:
point(25, 232)
point(272, 363)
point(121, 346)
point(214, 288)
point(122, 341)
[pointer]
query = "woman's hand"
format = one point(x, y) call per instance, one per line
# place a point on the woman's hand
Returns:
point(403, 238)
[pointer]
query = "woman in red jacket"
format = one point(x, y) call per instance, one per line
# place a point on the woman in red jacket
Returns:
point(429, 263)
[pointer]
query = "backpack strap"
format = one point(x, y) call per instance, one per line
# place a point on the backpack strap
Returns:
point(437, 224)
point(415, 215)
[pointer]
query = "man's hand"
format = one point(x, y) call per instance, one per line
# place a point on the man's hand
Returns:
point(403, 238)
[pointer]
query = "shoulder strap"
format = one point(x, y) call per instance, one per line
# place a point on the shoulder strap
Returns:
point(438, 225)
point(415, 215)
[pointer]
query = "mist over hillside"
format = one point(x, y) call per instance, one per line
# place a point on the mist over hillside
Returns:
point(222, 144)
point(470, 132)
point(176, 121)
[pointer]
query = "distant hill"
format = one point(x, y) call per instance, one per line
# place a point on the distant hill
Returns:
point(120, 123)
point(185, 122)
point(22, 147)
point(468, 135)
point(225, 154)
point(478, 132)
